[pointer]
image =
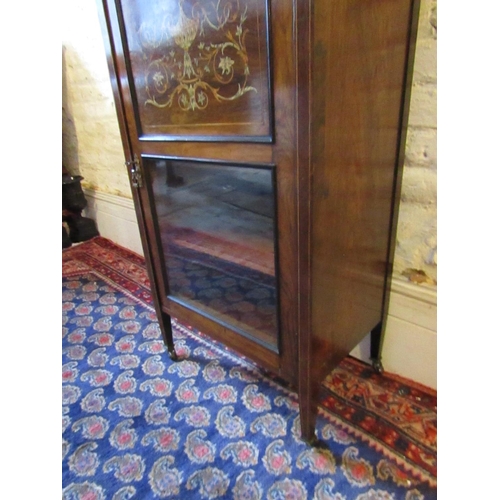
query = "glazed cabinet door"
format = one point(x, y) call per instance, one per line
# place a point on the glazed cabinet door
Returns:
point(216, 229)
point(211, 163)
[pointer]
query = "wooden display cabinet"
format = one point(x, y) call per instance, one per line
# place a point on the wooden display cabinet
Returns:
point(265, 141)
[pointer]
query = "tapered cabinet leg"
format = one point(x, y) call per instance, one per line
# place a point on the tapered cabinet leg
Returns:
point(376, 348)
point(308, 423)
point(168, 336)
point(308, 406)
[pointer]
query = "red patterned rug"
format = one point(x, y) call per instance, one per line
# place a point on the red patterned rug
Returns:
point(394, 416)
point(391, 413)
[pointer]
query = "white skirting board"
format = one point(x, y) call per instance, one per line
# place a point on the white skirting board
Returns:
point(410, 344)
point(115, 219)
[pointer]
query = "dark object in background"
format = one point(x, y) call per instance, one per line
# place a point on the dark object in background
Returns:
point(73, 198)
point(66, 240)
point(73, 202)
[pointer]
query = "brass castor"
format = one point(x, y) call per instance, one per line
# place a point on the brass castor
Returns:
point(173, 355)
point(377, 366)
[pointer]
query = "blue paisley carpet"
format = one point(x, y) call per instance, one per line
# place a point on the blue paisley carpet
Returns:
point(138, 426)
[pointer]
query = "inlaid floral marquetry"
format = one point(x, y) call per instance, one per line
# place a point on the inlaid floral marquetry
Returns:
point(199, 67)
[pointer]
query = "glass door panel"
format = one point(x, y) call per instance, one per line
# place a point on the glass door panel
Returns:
point(217, 227)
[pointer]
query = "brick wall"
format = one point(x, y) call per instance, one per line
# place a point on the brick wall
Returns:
point(416, 251)
point(92, 145)
point(91, 138)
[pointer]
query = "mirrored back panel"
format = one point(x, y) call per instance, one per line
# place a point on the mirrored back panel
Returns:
point(217, 224)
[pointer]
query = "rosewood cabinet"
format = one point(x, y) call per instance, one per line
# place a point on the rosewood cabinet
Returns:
point(264, 143)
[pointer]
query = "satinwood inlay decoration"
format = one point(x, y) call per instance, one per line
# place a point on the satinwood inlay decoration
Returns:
point(200, 67)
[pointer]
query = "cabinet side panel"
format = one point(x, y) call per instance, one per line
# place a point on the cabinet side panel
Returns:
point(359, 69)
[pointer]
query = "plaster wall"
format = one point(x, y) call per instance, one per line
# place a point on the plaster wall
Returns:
point(92, 145)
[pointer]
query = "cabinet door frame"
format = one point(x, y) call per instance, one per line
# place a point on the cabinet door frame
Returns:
point(281, 152)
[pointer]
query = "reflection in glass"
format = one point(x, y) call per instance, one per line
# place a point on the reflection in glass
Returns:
point(217, 230)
